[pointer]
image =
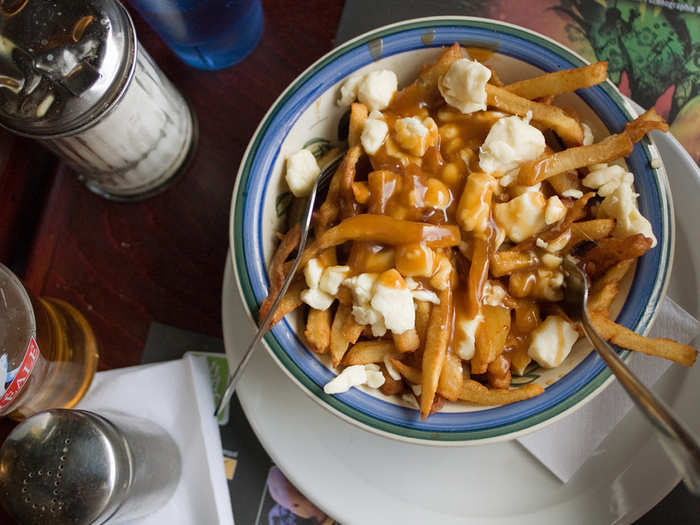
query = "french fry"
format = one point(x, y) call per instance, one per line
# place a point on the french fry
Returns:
point(422, 318)
point(560, 82)
point(425, 87)
point(391, 386)
point(339, 343)
point(519, 359)
point(436, 341)
point(412, 374)
point(498, 373)
point(603, 298)
point(358, 115)
point(361, 192)
point(290, 302)
point(287, 245)
point(475, 392)
point(626, 338)
point(567, 180)
point(366, 352)
point(385, 230)
point(348, 206)
point(611, 148)
point(611, 250)
point(552, 117)
point(648, 121)
point(505, 262)
point(318, 330)
point(478, 273)
point(407, 341)
point(451, 377)
point(490, 337)
point(592, 230)
point(352, 330)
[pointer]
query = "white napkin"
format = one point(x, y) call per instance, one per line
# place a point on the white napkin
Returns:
point(177, 395)
point(563, 447)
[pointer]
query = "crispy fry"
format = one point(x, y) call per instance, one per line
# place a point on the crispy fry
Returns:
point(425, 87)
point(422, 317)
point(391, 386)
point(451, 377)
point(611, 148)
point(412, 375)
point(478, 273)
point(603, 298)
point(361, 192)
point(505, 262)
point(436, 341)
point(490, 337)
point(383, 229)
point(358, 115)
point(610, 251)
point(407, 341)
point(560, 82)
point(648, 121)
point(552, 117)
point(318, 330)
point(366, 352)
point(499, 372)
point(567, 180)
point(352, 330)
point(519, 358)
point(476, 393)
point(348, 206)
point(626, 338)
point(290, 302)
point(286, 246)
point(339, 343)
point(592, 230)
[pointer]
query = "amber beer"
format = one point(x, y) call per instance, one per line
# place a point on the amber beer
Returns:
point(48, 352)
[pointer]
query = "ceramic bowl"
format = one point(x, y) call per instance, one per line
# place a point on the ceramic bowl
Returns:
point(306, 113)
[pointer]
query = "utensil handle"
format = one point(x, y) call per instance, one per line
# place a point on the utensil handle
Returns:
point(680, 445)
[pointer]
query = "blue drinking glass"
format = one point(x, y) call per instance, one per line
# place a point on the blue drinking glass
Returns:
point(206, 34)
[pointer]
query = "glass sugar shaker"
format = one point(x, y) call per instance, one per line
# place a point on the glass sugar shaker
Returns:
point(74, 77)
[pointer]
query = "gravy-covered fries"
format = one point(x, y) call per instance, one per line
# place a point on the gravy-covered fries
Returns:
point(433, 269)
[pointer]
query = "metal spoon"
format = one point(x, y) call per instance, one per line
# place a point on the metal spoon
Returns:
point(320, 186)
point(680, 445)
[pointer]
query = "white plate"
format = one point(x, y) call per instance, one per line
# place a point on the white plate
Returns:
point(358, 477)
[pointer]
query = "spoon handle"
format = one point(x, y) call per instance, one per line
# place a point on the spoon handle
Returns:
point(680, 445)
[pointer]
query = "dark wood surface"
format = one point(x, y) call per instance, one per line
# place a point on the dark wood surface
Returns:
point(126, 265)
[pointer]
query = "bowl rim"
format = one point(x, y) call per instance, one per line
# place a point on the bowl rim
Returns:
point(544, 417)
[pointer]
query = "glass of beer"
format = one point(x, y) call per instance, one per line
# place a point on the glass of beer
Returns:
point(48, 352)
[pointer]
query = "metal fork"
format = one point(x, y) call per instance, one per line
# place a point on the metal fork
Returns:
point(320, 186)
point(680, 445)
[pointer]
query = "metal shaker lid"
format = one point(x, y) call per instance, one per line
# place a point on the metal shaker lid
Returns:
point(62, 62)
point(64, 467)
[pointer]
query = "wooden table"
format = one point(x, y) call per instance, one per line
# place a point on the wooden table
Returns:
point(127, 265)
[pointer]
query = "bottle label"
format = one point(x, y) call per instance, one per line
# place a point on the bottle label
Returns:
point(18, 377)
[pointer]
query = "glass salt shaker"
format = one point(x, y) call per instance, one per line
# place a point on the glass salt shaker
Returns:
point(74, 76)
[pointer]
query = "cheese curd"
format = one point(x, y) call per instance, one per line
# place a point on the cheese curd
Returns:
point(355, 375)
point(414, 135)
point(374, 133)
point(332, 277)
point(606, 179)
point(552, 341)
point(348, 91)
point(317, 299)
point(588, 138)
point(465, 336)
point(510, 142)
point(523, 216)
point(464, 85)
point(421, 294)
point(377, 88)
point(494, 293)
point(393, 300)
point(621, 205)
point(555, 210)
point(302, 172)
